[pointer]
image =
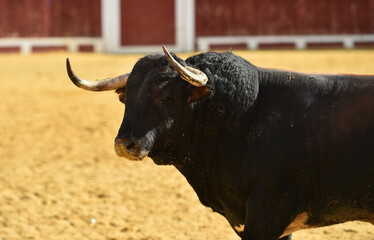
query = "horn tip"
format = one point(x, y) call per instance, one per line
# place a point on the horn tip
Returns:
point(68, 64)
point(165, 50)
point(71, 74)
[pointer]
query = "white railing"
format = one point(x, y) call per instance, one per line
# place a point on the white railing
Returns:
point(300, 41)
point(72, 44)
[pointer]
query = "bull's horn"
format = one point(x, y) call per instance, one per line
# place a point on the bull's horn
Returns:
point(97, 85)
point(189, 74)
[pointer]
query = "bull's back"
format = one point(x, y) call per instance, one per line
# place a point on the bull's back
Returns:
point(320, 136)
point(342, 129)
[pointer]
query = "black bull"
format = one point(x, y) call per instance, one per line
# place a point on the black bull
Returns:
point(272, 151)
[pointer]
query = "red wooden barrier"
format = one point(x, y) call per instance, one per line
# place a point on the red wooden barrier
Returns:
point(146, 22)
point(50, 18)
point(285, 17)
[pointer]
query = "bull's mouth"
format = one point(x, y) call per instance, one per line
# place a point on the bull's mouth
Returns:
point(130, 149)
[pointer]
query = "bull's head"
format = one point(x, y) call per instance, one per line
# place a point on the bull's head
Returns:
point(154, 95)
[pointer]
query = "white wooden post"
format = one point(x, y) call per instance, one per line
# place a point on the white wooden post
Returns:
point(111, 24)
point(185, 25)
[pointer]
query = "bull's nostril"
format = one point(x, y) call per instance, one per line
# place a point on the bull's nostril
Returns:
point(130, 146)
point(126, 144)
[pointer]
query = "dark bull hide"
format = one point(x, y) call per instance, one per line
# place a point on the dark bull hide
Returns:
point(272, 151)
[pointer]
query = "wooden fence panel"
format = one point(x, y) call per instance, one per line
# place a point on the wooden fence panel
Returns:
point(147, 22)
point(76, 18)
point(286, 17)
point(50, 18)
point(23, 18)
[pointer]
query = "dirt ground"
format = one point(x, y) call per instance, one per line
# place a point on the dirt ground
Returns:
point(60, 177)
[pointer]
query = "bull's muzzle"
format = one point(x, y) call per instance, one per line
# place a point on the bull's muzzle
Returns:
point(130, 149)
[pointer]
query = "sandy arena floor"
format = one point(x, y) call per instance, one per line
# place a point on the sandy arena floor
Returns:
point(60, 177)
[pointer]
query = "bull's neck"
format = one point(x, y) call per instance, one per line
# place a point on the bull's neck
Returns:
point(276, 77)
point(213, 130)
point(211, 136)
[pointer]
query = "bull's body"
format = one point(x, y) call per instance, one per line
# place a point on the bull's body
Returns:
point(305, 145)
point(273, 151)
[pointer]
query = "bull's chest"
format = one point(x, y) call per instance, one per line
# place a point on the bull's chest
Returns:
point(222, 193)
point(235, 215)
point(227, 200)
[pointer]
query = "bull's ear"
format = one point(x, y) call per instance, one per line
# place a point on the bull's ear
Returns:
point(198, 93)
point(121, 94)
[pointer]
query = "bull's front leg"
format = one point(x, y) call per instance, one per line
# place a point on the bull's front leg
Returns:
point(267, 217)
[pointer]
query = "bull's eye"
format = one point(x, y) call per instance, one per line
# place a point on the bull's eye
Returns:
point(165, 98)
